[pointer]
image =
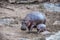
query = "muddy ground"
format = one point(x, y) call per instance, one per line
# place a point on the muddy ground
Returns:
point(10, 30)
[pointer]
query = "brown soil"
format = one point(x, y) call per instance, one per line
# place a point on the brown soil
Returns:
point(13, 31)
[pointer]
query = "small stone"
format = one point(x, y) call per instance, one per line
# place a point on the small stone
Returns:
point(39, 38)
point(45, 32)
point(12, 1)
point(56, 23)
point(24, 39)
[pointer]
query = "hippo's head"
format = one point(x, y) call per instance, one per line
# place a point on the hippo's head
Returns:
point(25, 24)
point(41, 27)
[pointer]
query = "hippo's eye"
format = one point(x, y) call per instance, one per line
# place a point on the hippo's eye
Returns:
point(23, 23)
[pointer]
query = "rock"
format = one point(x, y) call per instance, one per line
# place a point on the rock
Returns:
point(7, 21)
point(26, 1)
point(11, 1)
point(56, 36)
point(39, 38)
point(45, 32)
point(24, 39)
point(56, 23)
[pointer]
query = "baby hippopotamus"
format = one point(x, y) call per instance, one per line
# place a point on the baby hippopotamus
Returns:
point(32, 20)
point(41, 28)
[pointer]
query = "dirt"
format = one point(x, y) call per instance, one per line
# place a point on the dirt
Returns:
point(18, 12)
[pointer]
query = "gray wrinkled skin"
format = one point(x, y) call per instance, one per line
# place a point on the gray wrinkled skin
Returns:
point(32, 19)
point(36, 16)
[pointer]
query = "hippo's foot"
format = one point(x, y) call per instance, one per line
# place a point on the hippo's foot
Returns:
point(38, 31)
point(30, 31)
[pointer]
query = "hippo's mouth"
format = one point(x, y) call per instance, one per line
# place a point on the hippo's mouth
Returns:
point(23, 27)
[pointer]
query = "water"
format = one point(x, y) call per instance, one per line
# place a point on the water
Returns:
point(56, 36)
point(52, 7)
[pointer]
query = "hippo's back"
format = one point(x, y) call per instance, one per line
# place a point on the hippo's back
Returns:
point(35, 16)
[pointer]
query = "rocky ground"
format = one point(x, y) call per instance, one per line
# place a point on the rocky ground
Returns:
point(10, 22)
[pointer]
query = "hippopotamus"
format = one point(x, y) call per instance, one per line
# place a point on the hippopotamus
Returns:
point(41, 28)
point(33, 19)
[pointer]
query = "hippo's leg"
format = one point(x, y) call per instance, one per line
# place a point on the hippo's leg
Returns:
point(30, 28)
point(38, 30)
point(44, 21)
